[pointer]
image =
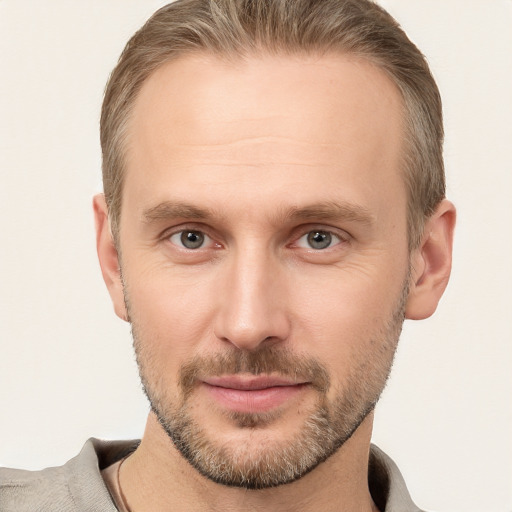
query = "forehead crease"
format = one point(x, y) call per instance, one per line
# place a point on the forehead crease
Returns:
point(235, 139)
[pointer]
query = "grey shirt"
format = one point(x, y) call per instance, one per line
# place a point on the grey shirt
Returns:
point(78, 486)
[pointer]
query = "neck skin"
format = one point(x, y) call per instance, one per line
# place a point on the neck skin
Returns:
point(156, 477)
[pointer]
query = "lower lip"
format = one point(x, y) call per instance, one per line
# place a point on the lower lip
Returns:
point(255, 400)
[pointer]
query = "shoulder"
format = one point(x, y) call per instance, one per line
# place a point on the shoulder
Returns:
point(47, 489)
point(387, 484)
point(75, 486)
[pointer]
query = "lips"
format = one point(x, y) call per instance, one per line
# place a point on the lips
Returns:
point(249, 383)
point(252, 394)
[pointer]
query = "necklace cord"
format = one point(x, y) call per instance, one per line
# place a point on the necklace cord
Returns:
point(121, 494)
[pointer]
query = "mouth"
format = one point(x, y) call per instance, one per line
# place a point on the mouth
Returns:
point(252, 394)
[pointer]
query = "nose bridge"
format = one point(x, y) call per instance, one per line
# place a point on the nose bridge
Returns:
point(251, 306)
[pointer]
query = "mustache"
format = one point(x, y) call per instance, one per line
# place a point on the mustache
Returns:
point(264, 360)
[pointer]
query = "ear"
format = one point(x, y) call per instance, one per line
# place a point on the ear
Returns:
point(431, 263)
point(108, 257)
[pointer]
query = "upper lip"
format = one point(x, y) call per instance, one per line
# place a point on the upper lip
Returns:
point(249, 383)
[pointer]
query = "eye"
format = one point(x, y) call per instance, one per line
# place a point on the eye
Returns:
point(318, 240)
point(189, 239)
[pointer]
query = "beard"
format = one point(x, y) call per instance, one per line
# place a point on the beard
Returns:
point(269, 462)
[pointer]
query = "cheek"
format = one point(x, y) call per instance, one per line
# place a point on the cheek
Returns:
point(347, 319)
point(347, 299)
point(171, 317)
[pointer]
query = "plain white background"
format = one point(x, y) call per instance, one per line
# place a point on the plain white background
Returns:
point(66, 364)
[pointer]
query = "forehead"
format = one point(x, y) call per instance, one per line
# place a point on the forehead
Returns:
point(199, 91)
point(298, 122)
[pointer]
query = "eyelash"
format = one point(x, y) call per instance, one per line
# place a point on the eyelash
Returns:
point(330, 236)
point(335, 235)
point(189, 231)
point(167, 235)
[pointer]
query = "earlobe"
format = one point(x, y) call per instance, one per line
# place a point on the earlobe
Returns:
point(108, 256)
point(431, 263)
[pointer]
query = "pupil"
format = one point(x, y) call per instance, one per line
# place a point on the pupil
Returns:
point(319, 239)
point(192, 239)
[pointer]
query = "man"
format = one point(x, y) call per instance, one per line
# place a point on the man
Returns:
point(273, 209)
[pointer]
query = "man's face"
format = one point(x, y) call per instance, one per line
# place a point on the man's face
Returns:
point(264, 256)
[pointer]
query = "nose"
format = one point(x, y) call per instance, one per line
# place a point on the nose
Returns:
point(252, 305)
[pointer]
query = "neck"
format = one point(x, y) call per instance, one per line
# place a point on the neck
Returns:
point(156, 477)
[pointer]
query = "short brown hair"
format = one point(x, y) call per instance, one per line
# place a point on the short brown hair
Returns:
point(242, 27)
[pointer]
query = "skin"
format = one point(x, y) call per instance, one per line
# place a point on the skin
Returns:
point(265, 148)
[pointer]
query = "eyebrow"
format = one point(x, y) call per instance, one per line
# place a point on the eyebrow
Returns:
point(333, 210)
point(329, 210)
point(173, 210)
